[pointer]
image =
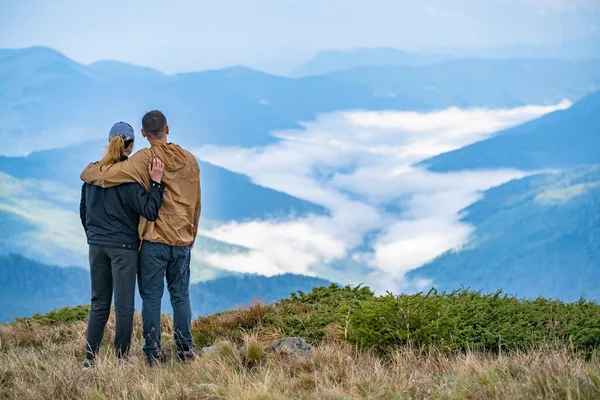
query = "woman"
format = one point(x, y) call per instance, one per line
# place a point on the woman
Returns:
point(110, 218)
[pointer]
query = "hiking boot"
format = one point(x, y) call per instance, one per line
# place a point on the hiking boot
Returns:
point(157, 359)
point(186, 356)
point(87, 364)
point(126, 361)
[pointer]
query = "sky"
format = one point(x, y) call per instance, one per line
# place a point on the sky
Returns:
point(178, 35)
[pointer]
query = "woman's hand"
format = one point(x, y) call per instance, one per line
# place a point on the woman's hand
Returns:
point(156, 170)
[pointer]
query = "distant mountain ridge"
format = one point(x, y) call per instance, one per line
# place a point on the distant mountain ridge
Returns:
point(328, 61)
point(30, 287)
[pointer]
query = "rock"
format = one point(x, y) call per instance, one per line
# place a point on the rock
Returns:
point(292, 345)
point(211, 349)
point(202, 386)
point(216, 346)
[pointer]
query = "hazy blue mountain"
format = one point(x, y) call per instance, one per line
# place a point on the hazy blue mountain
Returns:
point(118, 69)
point(30, 287)
point(558, 140)
point(44, 94)
point(538, 236)
point(482, 83)
point(339, 60)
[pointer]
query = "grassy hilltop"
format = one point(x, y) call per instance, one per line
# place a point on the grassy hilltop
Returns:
point(429, 345)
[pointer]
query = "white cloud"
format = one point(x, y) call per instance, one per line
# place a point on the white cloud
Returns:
point(384, 214)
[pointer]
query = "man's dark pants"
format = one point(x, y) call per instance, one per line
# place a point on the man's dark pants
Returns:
point(111, 268)
point(158, 261)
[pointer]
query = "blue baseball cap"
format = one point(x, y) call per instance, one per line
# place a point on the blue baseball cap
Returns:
point(123, 129)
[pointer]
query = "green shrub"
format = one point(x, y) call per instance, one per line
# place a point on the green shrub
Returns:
point(454, 321)
point(63, 315)
point(466, 320)
point(308, 314)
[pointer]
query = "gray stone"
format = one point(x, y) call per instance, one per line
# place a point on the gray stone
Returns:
point(292, 345)
point(202, 386)
point(211, 349)
point(218, 345)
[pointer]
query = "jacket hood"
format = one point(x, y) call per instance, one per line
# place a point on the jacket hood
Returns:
point(171, 155)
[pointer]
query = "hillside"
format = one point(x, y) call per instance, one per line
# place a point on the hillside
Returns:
point(561, 139)
point(463, 345)
point(49, 287)
point(538, 236)
point(46, 287)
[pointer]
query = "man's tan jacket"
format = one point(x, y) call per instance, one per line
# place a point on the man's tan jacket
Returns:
point(177, 223)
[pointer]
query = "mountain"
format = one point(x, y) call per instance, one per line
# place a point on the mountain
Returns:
point(30, 287)
point(48, 100)
point(480, 82)
point(561, 139)
point(338, 60)
point(537, 236)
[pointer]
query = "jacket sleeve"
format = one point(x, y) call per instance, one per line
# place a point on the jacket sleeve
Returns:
point(134, 169)
point(146, 203)
point(82, 210)
point(198, 209)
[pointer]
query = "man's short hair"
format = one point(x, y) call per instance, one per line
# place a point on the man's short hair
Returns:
point(154, 124)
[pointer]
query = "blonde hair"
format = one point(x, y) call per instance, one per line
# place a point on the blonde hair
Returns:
point(114, 151)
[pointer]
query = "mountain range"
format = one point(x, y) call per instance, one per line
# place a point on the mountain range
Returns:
point(327, 61)
point(243, 107)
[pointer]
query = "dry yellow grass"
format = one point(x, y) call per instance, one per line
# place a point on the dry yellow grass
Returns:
point(44, 362)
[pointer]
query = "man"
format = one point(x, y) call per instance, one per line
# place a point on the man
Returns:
point(166, 242)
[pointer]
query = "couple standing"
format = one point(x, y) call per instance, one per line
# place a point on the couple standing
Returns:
point(140, 215)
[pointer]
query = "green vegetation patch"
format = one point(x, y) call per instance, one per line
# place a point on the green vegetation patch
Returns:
point(456, 321)
point(60, 316)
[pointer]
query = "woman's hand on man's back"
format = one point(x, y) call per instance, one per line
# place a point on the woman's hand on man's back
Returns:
point(156, 169)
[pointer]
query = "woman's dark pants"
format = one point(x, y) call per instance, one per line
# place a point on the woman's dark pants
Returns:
point(111, 269)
